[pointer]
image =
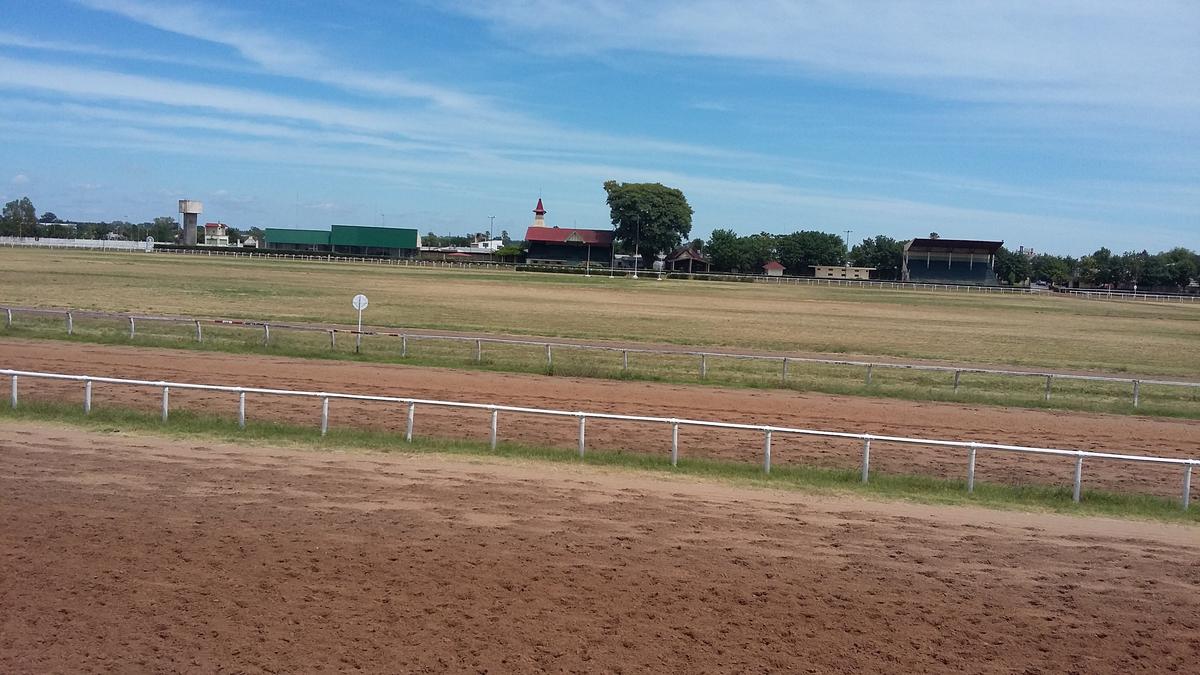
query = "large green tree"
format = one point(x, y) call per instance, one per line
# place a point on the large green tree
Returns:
point(649, 216)
point(1012, 268)
point(800, 251)
point(729, 252)
point(19, 219)
point(883, 253)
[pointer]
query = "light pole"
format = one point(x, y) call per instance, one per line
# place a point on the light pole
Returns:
point(637, 243)
point(491, 227)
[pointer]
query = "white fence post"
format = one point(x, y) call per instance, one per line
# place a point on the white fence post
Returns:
point(1046, 396)
point(674, 442)
point(767, 452)
point(266, 334)
point(87, 397)
point(492, 437)
point(478, 351)
point(132, 328)
point(241, 410)
point(404, 346)
point(13, 396)
point(783, 378)
point(971, 469)
point(412, 413)
point(549, 356)
point(70, 324)
point(1137, 391)
point(7, 318)
point(957, 377)
point(582, 435)
point(625, 359)
point(1187, 486)
point(703, 366)
point(166, 403)
point(870, 366)
point(333, 340)
point(199, 333)
point(866, 459)
point(1078, 478)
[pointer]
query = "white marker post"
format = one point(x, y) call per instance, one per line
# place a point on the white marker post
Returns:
point(360, 303)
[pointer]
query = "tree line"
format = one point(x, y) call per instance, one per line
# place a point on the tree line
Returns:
point(20, 219)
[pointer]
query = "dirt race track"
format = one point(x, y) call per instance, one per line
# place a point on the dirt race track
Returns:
point(1076, 431)
point(127, 553)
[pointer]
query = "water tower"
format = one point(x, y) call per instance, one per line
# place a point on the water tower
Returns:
point(190, 210)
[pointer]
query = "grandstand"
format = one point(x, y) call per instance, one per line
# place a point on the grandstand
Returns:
point(950, 261)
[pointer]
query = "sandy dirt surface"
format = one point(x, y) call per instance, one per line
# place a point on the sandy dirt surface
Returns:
point(134, 553)
point(1076, 431)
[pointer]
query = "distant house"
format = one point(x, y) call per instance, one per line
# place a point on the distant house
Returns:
point(773, 269)
point(687, 258)
point(950, 261)
point(250, 242)
point(565, 246)
point(841, 272)
point(216, 234)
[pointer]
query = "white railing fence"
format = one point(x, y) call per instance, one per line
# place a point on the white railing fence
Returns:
point(768, 431)
point(868, 368)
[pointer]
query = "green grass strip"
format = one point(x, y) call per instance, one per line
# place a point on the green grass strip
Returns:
point(813, 480)
point(1022, 392)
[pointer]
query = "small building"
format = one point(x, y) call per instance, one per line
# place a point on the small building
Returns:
point(773, 269)
point(841, 272)
point(216, 234)
point(950, 261)
point(566, 246)
point(488, 244)
point(250, 242)
point(687, 258)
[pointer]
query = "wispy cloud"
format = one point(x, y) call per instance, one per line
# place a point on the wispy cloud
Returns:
point(278, 54)
point(1121, 56)
point(20, 179)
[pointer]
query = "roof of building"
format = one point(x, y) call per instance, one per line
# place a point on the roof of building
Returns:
point(569, 235)
point(773, 265)
point(211, 226)
point(954, 245)
point(540, 210)
point(686, 251)
point(840, 267)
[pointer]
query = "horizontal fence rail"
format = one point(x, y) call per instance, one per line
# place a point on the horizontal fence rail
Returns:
point(869, 367)
point(768, 431)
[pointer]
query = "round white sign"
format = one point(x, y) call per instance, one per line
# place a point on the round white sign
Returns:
point(359, 302)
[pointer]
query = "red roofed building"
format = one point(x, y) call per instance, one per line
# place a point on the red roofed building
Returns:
point(566, 245)
point(774, 269)
point(216, 234)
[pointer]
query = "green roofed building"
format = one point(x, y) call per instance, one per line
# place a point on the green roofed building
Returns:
point(391, 242)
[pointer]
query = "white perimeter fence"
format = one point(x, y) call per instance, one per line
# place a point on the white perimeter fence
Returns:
point(768, 431)
point(92, 244)
point(702, 357)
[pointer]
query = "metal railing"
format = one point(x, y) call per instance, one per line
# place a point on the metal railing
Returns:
point(768, 431)
point(702, 357)
point(1100, 294)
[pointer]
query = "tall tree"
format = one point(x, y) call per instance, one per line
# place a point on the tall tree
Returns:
point(649, 216)
point(800, 251)
point(1011, 267)
point(49, 217)
point(19, 218)
point(883, 253)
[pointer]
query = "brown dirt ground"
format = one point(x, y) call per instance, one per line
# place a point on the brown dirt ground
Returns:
point(1079, 431)
point(134, 553)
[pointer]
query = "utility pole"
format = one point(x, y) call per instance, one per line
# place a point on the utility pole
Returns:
point(491, 228)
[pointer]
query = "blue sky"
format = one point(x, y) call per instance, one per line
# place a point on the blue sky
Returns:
point(1061, 126)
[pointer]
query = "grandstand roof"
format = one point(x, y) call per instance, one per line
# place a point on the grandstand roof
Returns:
point(569, 235)
point(954, 245)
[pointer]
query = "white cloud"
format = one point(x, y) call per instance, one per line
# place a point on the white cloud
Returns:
point(1117, 55)
point(20, 179)
point(277, 54)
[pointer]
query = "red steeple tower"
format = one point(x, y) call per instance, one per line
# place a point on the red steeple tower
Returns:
point(539, 215)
